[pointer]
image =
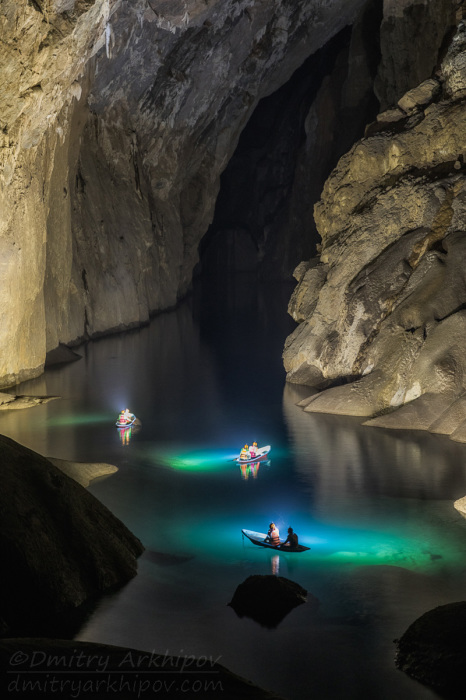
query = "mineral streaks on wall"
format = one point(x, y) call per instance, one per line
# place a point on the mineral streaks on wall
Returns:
point(383, 306)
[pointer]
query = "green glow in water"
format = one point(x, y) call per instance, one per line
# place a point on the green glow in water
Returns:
point(194, 459)
point(82, 419)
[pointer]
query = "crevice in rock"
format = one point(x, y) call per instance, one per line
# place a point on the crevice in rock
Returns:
point(461, 307)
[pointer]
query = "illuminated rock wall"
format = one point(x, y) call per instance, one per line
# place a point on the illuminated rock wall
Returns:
point(117, 119)
point(383, 307)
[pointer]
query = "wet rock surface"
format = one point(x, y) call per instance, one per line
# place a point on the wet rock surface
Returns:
point(61, 548)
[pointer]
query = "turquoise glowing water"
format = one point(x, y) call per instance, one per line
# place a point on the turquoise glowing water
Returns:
point(374, 506)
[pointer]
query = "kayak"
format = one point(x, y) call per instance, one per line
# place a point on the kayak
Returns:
point(259, 537)
point(260, 454)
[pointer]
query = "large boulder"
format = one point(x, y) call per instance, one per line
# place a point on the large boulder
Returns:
point(60, 547)
point(433, 649)
point(267, 599)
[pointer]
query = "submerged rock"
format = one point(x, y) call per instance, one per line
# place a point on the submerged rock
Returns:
point(83, 472)
point(10, 402)
point(433, 649)
point(267, 599)
point(60, 547)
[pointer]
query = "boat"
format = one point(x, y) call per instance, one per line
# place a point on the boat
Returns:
point(259, 539)
point(127, 422)
point(260, 454)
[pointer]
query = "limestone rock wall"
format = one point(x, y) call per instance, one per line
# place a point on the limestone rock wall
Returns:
point(44, 49)
point(116, 120)
point(382, 308)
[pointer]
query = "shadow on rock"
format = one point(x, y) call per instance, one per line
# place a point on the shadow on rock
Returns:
point(267, 599)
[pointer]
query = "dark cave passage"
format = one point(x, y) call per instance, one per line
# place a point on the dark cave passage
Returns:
point(263, 218)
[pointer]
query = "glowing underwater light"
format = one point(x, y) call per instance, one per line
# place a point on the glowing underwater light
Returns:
point(194, 460)
point(80, 419)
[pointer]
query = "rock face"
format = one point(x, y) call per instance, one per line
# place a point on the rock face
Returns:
point(60, 548)
point(117, 120)
point(268, 599)
point(9, 402)
point(381, 311)
point(460, 505)
point(433, 649)
point(83, 472)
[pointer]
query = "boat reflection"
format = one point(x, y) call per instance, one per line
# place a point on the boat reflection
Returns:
point(275, 561)
point(125, 435)
point(252, 470)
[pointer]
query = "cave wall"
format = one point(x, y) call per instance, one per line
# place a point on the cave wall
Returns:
point(264, 213)
point(117, 120)
point(381, 311)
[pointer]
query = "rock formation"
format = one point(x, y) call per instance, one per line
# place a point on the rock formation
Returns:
point(60, 547)
point(267, 599)
point(381, 311)
point(117, 120)
point(9, 402)
point(83, 472)
point(433, 649)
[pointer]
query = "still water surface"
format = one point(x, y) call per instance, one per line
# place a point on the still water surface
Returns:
point(375, 506)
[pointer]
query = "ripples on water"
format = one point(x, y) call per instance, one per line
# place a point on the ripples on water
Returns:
point(375, 506)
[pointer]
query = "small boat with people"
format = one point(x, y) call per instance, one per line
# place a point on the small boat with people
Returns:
point(252, 454)
point(262, 540)
point(125, 419)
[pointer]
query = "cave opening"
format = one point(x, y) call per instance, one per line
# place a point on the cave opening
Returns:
point(263, 220)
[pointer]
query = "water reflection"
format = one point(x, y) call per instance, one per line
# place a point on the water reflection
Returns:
point(125, 435)
point(252, 470)
point(375, 505)
point(337, 455)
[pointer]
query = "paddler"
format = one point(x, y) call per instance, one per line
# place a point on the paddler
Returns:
point(244, 454)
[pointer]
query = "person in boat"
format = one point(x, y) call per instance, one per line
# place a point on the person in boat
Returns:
point(244, 454)
point(292, 539)
point(273, 535)
point(125, 416)
point(253, 450)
